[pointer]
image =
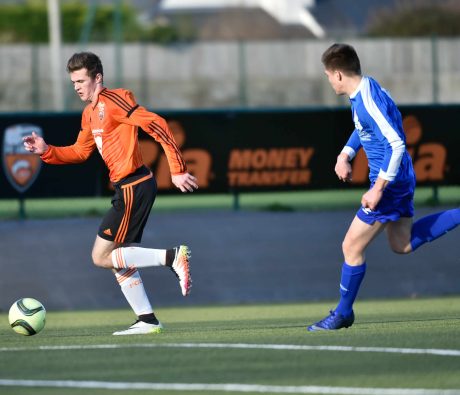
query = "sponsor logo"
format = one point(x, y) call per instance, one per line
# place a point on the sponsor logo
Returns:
point(108, 232)
point(270, 167)
point(21, 166)
point(97, 135)
point(363, 135)
point(366, 210)
point(258, 167)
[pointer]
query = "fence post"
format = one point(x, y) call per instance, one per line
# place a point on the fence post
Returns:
point(236, 200)
point(118, 39)
point(34, 75)
point(434, 69)
point(435, 197)
point(22, 209)
point(242, 74)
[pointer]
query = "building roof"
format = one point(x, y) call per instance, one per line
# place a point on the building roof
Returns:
point(347, 17)
point(237, 24)
point(283, 19)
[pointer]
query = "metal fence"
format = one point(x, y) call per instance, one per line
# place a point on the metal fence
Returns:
point(235, 74)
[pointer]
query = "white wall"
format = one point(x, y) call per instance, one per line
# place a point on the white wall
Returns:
point(229, 74)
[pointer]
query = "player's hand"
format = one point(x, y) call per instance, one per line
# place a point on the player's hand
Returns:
point(185, 182)
point(343, 168)
point(35, 143)
point(371, 198)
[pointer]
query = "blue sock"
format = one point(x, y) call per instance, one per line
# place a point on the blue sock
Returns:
point(431, 227)
point(349, 287)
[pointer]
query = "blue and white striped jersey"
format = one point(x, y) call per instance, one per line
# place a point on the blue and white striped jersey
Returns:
point(379, 131)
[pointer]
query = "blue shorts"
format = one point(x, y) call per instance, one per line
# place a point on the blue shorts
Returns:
point(396, 202)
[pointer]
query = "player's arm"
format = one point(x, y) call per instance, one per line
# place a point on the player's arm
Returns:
point(394, 151)
point(76, 153)
point(157, 127)
point(343, 166)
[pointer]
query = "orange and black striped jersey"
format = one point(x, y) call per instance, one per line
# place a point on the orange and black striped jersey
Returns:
point(110, 124)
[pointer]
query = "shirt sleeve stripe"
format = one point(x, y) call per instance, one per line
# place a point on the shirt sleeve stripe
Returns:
point(170, 142)
point(132, 110)
point(396, 142)
point(117, 99)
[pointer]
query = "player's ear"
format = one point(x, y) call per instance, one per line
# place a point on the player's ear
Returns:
point(339, 75)
point(98, 78)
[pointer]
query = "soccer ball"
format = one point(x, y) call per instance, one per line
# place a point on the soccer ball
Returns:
point(27, 316)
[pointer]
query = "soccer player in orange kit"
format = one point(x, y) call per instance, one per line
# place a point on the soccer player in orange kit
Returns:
point(110, 123)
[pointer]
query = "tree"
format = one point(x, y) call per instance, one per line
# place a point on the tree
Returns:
point(28, 23)
point(417, 18)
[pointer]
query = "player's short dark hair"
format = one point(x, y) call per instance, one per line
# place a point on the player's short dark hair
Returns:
point(85, 60)
point(342, 57)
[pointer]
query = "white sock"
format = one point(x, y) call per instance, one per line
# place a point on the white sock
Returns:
point(125, 257)
point(132, 287)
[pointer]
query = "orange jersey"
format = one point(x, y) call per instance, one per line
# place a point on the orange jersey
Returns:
point(111, 126)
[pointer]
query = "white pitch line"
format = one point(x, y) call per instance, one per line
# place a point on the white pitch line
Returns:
point(288, 347)
point(276, 389)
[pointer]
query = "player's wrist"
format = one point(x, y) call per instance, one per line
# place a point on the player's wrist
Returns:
point(380, 184)
point(44, 150)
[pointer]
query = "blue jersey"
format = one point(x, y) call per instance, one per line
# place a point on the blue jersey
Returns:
point(379, 131)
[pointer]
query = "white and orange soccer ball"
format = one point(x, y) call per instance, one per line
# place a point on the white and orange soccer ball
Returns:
point(27, 316)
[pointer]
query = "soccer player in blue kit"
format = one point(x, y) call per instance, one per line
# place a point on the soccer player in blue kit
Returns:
point(388, 204)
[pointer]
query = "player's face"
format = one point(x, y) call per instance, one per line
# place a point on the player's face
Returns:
point(335, 79)
point(84, 85)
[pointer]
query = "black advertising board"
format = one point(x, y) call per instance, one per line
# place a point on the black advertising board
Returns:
point(236, 150)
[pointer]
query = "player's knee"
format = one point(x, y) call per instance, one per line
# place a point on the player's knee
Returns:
point(99, 260)
point(348, 248)
point(399, 248)
point(399, 237)
point(353, 252)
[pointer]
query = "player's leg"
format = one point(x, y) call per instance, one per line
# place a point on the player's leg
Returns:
point(405, 236)
point(124, 224)
point(177, 259)
point(108, 254)
point(137, 200)
point(123, 257)
point(359, 235)
point(433, 226)
point(119, 228)
point(399, 235)
point(132, 288)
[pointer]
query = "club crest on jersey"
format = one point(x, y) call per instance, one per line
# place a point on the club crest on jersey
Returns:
point(21, 166)
point(101, 107)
